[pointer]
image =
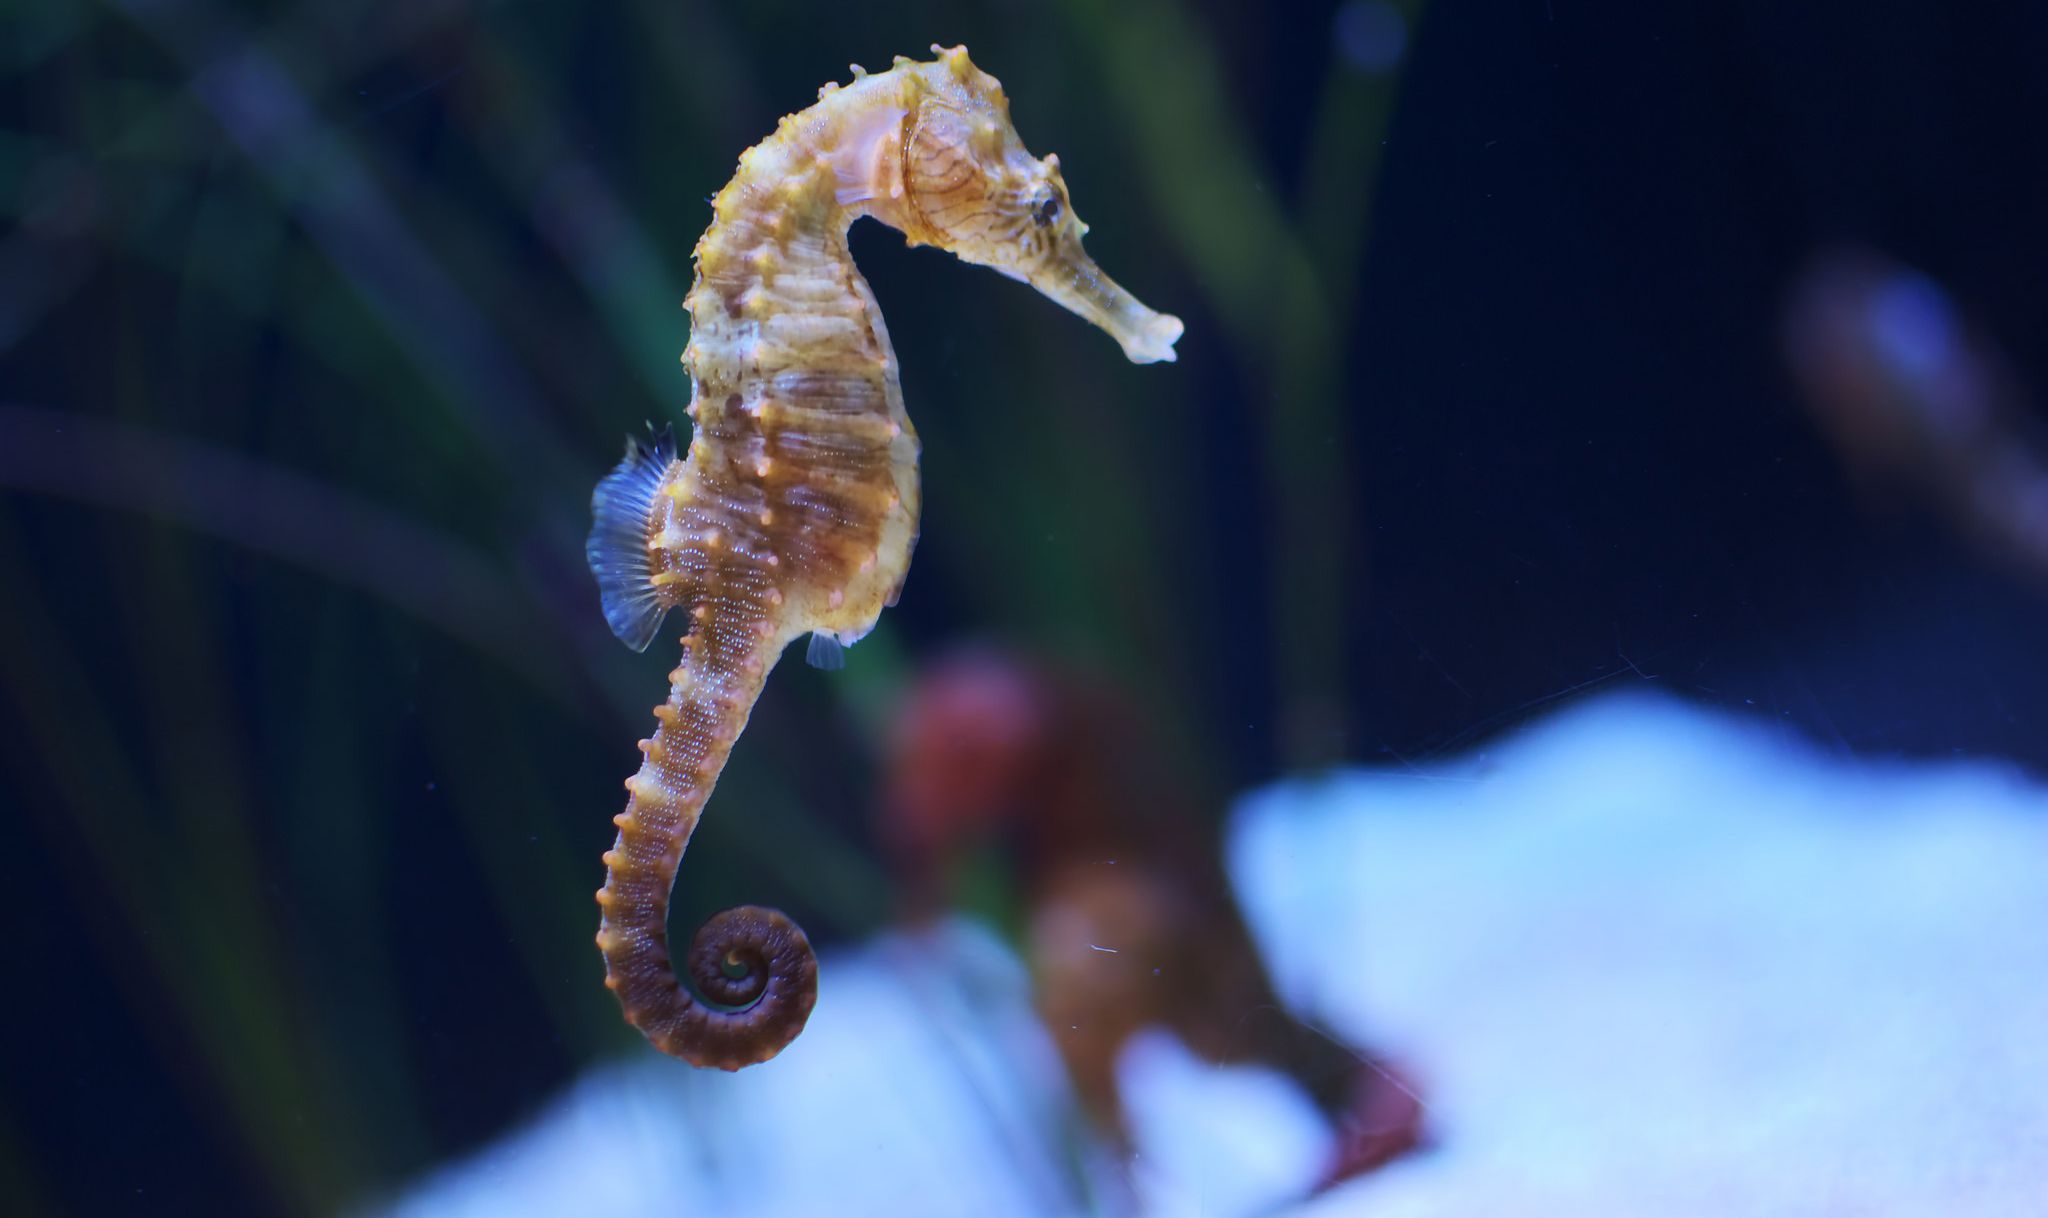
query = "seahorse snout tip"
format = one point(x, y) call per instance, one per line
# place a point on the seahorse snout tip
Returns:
point(1152, 341)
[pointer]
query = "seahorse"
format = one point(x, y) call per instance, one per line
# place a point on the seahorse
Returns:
point(795, 508)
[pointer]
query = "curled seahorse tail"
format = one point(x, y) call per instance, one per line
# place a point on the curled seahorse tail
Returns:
point(756, 963)
point(755, 977)
point(752, 976)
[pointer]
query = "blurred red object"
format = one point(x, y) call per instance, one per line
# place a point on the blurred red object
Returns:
point(1913, 395)
point(1129, 918)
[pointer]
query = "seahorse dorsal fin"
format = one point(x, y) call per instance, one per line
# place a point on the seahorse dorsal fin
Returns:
point(825, 652)
point(617, 549)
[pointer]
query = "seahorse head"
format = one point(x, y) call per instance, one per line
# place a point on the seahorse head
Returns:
point(974, 189)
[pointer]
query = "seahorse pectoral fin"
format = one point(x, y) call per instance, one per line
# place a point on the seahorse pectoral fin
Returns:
point(825, 651)
point(617, 550)
point(1071, 278)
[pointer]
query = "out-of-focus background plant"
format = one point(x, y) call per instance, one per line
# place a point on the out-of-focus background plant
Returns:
point(317, 324)
point(320, 323)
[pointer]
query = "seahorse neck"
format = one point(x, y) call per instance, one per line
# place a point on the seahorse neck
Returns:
point(774, 261)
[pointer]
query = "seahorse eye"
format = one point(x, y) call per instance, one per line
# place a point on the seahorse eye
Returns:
point(1047, 211)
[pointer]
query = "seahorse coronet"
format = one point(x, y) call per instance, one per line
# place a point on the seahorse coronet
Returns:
point(793, 509)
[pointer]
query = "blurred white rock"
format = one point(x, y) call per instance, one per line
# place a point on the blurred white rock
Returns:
point(1642, 959)
point(1647, 959)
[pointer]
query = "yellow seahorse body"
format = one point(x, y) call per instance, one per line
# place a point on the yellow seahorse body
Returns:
point(795, 508)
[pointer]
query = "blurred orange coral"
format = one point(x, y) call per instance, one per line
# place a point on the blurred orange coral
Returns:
point(1129, 922)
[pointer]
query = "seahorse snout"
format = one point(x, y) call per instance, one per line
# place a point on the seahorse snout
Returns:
point(1071, 278)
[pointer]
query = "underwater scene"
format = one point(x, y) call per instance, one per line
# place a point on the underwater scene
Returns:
point(1458, 630)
